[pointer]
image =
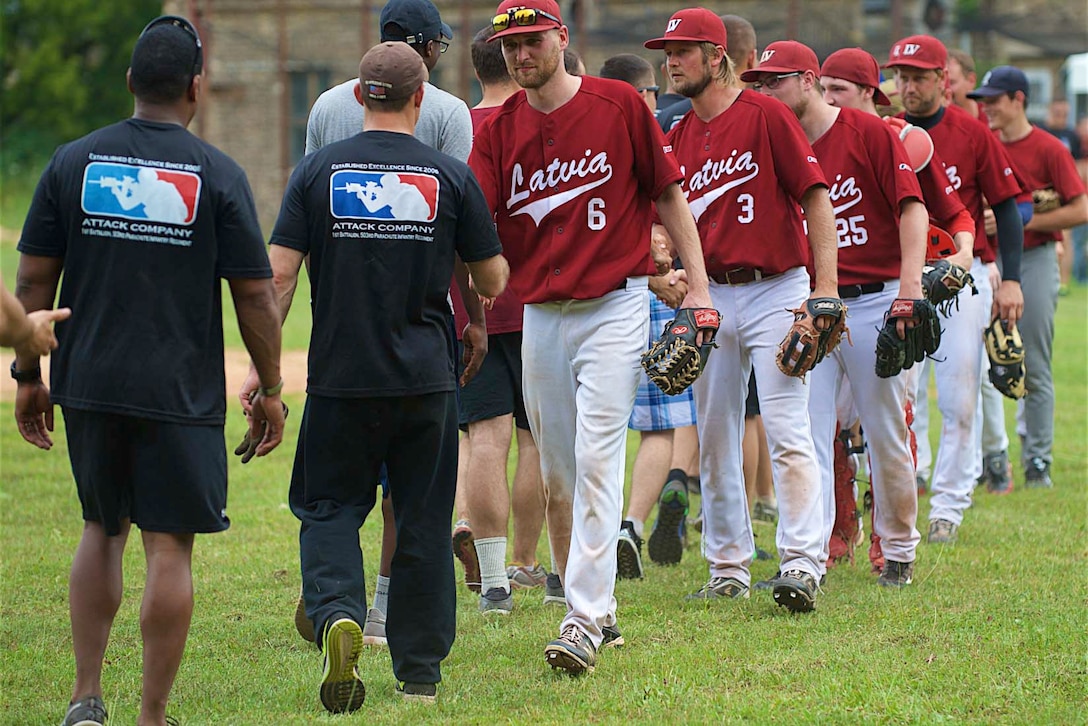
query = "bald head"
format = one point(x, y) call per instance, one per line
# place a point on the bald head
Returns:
point(741, 37)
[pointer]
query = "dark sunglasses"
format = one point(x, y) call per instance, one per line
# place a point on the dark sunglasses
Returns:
point(653, 89)
point(417, 39)
point(180, 22)
point(522, 17)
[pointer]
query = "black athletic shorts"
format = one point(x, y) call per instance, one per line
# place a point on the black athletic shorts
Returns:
point(165, 477)
point(751, 404)
point(496, 389)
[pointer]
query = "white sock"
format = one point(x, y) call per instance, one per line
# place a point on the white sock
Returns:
point(638, 525)
point(555, 567)
point(381, 595)
point(491, 552)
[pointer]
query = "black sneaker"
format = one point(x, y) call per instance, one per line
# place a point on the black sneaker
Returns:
point(666, 543)
point(424, 692)
point(896, 574)
point(998, 473)
point(612, 638)
point(729, 588)
point(342, 690)
point(1037, 474)
point(87, 711)
point(795, 590)
point(572, 651)
point(942, 531)
point(629, 553)
point(768, 583)
point(496, 601)
point(553, 590)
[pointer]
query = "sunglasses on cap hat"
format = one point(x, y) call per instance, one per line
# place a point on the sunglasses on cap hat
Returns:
point(179, 22)
point(520, 17)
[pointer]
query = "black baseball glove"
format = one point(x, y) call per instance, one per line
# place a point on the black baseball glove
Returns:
point(674, 361)
point(805, 345)
point(894, 354)
point(1006, 352)
point(942, 282)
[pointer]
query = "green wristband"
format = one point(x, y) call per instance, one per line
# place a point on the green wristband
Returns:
point(274, 390)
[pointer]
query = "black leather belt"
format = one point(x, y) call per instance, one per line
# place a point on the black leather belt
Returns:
point(740, 276)
point(848, 292)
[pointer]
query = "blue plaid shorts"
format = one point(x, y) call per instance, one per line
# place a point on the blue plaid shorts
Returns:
point(655, 411)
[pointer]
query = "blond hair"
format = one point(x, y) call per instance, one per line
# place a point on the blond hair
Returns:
point(727, 71)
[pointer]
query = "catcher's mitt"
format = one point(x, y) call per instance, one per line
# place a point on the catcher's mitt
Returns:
point(674, 361)
point(805, 345)
point(1006, 352)
point(942, 282)
point(1045, 200)
point(893, 353)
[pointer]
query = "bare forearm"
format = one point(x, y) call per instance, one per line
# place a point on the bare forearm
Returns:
point(473, 307)
point(35, 289)
point(822, 241)
point(490, 276)
point(260, 324)
point(14, 327)
point(676, 217)
point(1064, 217)
point(913, 227)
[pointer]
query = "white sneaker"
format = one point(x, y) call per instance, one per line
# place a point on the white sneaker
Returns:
point(374, 628)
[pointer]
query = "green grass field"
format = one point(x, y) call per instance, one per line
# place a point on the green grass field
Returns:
point(993, 629)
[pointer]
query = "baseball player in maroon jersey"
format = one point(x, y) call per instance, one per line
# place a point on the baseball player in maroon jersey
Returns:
point(851, 79)
point(1044, 163)
point(977, 166)
point(574, 211)
point(881, 225)
point(747, 166)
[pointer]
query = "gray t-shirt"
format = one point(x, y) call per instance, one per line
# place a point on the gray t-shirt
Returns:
point(444, 122)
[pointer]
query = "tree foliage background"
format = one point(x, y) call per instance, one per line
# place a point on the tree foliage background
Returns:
point(62, 66)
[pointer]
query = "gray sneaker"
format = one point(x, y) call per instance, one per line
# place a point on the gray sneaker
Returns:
point(496, 601)
point(88, 711)
point(796, 591)
point(720, 587)
point(896, 574)
point(374, 628)
point(611, 637)
point(523, 578)
point(629, 553)
point(765, 512)
point(572, 651)
point(553, 591)
point(418, 692)
point(1037, 474)
point(941, 531)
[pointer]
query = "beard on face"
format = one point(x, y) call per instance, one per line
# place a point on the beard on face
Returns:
point(542, 73)
point(691, 88)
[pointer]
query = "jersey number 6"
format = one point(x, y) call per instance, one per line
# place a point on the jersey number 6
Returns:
point(596, 219)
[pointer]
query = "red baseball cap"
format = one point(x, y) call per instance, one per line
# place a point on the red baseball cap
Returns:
point(783, 56)
point(857, 66)
point(541, 21)
point(918, 51)
point(696, 25)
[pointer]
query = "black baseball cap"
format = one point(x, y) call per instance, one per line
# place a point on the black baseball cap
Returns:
point(419, 19)
point(1000, 80)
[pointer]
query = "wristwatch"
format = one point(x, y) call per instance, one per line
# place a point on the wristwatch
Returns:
point(26, 376)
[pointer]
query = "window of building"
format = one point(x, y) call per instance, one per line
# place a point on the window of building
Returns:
point(306, 86)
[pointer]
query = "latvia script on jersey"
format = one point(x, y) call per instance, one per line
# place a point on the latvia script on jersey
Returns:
point(139, 202)
point(383, 204)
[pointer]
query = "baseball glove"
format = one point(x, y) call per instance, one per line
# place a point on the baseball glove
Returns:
point(805, 345)
point(1006, 352)
point(1045, 200)
point(674, 361)
point(893, 353)
point(942, 282)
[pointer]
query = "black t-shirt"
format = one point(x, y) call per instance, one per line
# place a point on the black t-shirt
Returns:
point(1069, 140)
point(381, 216)
point(148, 218)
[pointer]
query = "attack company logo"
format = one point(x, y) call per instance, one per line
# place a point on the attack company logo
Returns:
point(383, 196)
point(142, 193)
point(845, 191)
point(738, 169)
point(543, 182)
point(673, 25)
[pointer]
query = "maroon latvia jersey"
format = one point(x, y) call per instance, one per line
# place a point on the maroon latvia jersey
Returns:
point(745, 173)
point(871, 175)
point(940, 196)
point(572, 190)
point(977, 166)
point(1043, 162)
point(505, 316)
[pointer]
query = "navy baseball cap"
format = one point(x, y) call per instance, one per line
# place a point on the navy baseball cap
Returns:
point(1003, 79)
point(419, 19)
